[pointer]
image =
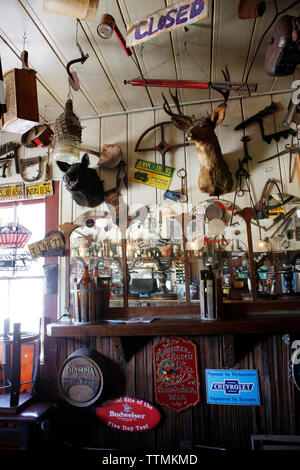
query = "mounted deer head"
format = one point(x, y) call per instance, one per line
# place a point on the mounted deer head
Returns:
point(215, 177)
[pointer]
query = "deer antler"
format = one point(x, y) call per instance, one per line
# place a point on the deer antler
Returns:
point(180, 120)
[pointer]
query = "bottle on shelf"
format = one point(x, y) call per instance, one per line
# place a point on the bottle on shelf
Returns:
point(84, 300)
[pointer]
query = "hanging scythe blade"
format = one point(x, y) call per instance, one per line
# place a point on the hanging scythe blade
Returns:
point(163, 147)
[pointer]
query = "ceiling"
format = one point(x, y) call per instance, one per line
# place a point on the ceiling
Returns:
point(197, 52)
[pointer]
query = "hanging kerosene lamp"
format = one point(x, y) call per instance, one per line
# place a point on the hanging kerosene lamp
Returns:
point(67, 135)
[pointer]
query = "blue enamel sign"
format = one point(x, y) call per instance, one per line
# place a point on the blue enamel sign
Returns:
point(232, 387)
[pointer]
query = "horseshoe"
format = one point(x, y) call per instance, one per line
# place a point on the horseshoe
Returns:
point(163, 147)
point(27, 162)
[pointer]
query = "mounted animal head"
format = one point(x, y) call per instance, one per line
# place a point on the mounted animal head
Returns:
point(83, 183)
point(215, 177)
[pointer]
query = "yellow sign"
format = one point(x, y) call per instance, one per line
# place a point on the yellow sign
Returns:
point(274, 212)
point(50, 246)
point(11, 192)
point(151, 174)
point(167, 19)
point(39, 190)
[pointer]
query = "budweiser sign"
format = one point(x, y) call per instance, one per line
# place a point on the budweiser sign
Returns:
point(128, 414)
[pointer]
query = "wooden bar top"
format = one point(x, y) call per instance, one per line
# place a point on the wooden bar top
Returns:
point(185, 324)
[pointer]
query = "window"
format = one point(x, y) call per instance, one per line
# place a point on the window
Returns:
point(21, 278)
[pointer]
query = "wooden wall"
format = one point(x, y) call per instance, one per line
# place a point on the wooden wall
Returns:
point(223, 426)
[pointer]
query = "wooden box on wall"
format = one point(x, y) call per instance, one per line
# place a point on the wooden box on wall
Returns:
point(21, 101)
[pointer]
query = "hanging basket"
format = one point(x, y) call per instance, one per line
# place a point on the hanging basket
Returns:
point(67, 134)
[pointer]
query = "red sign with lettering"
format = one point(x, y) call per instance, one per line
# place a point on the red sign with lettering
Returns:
point(128, 414)
point(176, 377)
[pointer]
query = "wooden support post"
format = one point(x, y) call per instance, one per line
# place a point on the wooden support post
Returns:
point(228, 351)
point(119, 351)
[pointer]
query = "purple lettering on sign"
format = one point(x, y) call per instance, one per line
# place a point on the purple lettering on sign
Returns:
point(151, 31)
point(196, 8)
point(170, 21)
point(181, 12)
point(138, 34)
point(161, 22)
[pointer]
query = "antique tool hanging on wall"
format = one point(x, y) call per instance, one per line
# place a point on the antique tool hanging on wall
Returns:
point(289, 148)
point(29, 162)
point(107, 26)
point(258, 117)
point(263, 207)
point(215, 177)
point(163, 147)
point(222, 86)
point(73, 77)
point(181, 195)
point(11, 148)
point(21, 98)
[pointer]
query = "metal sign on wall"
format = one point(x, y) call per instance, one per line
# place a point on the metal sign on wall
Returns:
point(128, 414)
point(17, 191)
point(151, 174)
point(175, 371)
point(232, 387)
point(165, 20)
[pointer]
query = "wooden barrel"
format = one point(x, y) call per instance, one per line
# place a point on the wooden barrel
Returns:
point(81, 377)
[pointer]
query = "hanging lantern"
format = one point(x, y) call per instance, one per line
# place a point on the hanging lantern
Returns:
point(67, 135)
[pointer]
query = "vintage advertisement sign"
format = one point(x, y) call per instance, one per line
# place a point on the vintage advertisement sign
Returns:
point(128, 414)
point(11, 192)
point(151, 174)
point(175, 371)
point(165, 20)
point(39, 190)
point(53, 245)
point(232, 387)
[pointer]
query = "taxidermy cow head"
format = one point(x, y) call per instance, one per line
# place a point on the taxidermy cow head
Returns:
point(215, 177)
point(83, 183)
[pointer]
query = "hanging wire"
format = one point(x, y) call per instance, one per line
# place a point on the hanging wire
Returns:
point(24, 41)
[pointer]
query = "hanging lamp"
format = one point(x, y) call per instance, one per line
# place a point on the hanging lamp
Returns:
point(67, 135)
